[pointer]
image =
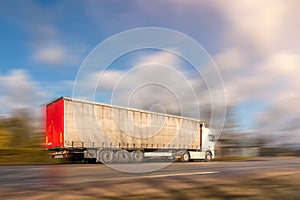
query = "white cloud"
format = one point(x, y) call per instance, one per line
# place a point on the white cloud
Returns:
point(18, 90)
point(51, 48)
point(271, 81)
point(51, 54)
point(156, 79)
point(255, 24)
point(282, 70)
point(261, 61)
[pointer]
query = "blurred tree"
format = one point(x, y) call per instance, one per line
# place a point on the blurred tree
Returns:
point(5, 138)
point(19, 128)
point(227, 140)
point(17, 131)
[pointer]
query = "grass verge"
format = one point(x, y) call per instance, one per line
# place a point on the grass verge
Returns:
point(24, 156)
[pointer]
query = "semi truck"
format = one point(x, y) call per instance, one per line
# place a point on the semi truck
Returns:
point(97, 132)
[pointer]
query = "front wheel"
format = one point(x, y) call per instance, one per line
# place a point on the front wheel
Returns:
point(185, 157)
point(208, 157)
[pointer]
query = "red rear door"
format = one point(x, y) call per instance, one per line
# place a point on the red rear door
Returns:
point(55, 124)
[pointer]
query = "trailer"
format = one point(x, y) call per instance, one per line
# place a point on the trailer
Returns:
point(96, 132)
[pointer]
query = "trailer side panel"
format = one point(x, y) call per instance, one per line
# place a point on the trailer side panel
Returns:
point(97, 125)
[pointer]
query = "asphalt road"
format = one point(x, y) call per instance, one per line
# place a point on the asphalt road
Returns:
point(69, 181)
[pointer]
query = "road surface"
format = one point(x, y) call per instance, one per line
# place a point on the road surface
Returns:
point(97, 181)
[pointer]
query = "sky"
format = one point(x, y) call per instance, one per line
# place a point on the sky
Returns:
point(254, 44)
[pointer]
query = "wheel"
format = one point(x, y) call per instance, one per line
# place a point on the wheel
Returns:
point(185, 157)
point(137, 156)
point(122, 156)
point(208, 156)
point(107, 156)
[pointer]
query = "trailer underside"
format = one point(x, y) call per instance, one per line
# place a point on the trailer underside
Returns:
point(115, 155)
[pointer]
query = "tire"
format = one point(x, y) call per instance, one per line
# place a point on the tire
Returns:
point(208, 157)
point(137, 156)
point(185, 157)
point(122, 156)
point(107, 156)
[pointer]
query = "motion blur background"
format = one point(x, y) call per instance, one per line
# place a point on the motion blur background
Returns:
point(255, 45)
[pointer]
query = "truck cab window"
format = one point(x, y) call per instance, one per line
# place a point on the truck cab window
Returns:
point(211, 138)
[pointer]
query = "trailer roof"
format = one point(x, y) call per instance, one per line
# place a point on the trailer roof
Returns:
point(123, 108)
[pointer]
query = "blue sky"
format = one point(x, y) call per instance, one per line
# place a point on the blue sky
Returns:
point(254, 44)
